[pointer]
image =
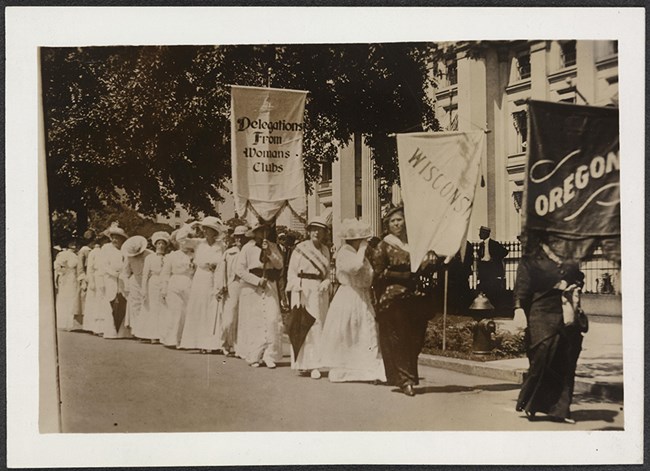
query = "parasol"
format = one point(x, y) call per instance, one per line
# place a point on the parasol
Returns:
point(118, 306)
point(298, 325)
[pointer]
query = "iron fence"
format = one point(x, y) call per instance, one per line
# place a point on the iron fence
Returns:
point(601, 275)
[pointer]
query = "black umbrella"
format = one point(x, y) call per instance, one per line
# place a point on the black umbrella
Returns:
point(119, 310)
point(298, 324)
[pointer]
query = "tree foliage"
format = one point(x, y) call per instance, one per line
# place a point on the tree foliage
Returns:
point(149, 126)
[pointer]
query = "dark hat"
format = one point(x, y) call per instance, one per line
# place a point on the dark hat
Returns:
point(392, 210)
point(485, 228)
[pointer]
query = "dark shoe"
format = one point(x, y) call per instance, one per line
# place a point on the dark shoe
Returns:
point(408, 390)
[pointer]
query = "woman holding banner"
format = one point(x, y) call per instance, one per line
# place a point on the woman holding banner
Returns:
point(401, 312)
point(259, 267)
point(545, 291)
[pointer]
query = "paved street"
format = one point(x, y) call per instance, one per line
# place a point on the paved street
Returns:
point(127, 386)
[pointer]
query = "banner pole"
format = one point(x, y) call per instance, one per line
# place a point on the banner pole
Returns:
point(444, 314)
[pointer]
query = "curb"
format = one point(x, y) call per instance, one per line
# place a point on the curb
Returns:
point(593, 387)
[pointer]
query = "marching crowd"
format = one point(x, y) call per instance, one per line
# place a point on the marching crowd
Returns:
point(194, 292)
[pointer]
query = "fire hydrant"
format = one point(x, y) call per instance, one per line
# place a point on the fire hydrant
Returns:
point(484, 336)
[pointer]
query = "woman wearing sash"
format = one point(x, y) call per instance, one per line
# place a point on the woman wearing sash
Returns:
point(308, 282)
point(401, 313)
point(259, 266)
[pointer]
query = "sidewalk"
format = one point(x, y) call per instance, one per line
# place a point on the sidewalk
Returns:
point(600, 366)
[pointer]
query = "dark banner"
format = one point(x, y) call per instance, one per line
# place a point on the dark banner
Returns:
point(572, 186)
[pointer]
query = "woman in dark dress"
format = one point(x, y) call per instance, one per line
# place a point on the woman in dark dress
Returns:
point(544, 282)
point(401, 313)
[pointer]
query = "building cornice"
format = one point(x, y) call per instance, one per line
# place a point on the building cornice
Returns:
point(518, 86)
point(567, 72)
point(607, 62)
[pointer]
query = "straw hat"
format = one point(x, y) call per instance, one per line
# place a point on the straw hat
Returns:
point(256, 227)
point(352, 229)
point(240, 231)
point(160, 235)
point(134, 246)
point(318, 221)
point(115, 229)
point(213, 223)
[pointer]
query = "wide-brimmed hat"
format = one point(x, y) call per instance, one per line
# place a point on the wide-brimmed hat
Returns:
point(318, 221)
point(213, 223)
point(353, 229)
point(115, 229)
point(160, 235)
point(240, 231)
point(134, 246)
point(256, 227)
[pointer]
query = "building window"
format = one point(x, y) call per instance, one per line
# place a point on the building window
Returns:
point(359, 211)
point(523, 65)
point(177, 213)
point(520, 122)
point(326, 172)
point(567, 54)
point(452, 72)
point(177, 225)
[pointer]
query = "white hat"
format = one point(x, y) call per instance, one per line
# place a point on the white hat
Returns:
point(213, 223)
point(240, 231)
point(134, 246)
point(352, 229)
point(318, 221)
point(115, 229)
point(160, 235)
point(184, 232)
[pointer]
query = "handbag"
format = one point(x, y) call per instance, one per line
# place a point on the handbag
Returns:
point(572, 311)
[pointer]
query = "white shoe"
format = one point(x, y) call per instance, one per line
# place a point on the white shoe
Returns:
point(270, 364)
point(255, 365)
point(315, 374)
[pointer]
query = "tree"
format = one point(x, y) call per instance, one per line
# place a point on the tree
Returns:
point(149, 126)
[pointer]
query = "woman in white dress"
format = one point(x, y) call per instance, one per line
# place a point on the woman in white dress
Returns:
point(200, 330)
point(151, 314)
point(259, 267)
point(67, 286)
point(112, 300)
point(135, 252)
point(91, 308)
point(176, 276)
point(350, 342)
point(308, 282)
point(228, 288)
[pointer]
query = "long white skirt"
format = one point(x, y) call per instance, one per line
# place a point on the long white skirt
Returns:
point(317, 304)
point(134, 303)
point(90, 310)
point(67, 301)
point(175, 306)
point(350, 342)
point(230, 317)
point(199, 329)
point(151, 313)
point(259, 332)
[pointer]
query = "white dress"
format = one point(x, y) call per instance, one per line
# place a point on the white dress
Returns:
point(82, 277)
point(133, 270)
point(67, 296)
point(350, 343)
point(151, 314)
point(176, 276)
point(305, 291)
point(259, 331)
point(226, 278)
point(200, 329)
point(111, 267)
point(91, 307)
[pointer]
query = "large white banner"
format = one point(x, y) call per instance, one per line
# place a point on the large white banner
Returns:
point(439, 173)
point(266, 155)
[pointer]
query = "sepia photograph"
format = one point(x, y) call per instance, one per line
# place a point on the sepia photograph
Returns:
point(366, 233)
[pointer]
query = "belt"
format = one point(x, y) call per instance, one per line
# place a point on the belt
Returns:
point(271, 274)
point(310, 276)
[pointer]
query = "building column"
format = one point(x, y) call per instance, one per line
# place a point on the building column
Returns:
point(369, 192)
point(586, 70)
point(538, 71)
point(343, 189)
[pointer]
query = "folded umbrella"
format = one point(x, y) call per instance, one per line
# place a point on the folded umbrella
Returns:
point(298, 324)
point(118, 305)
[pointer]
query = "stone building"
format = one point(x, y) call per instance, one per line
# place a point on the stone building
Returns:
point(484, 86)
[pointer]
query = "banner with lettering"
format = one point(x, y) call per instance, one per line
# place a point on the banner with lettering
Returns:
point(266, 151)
point(439, 173)
point(572, 185)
